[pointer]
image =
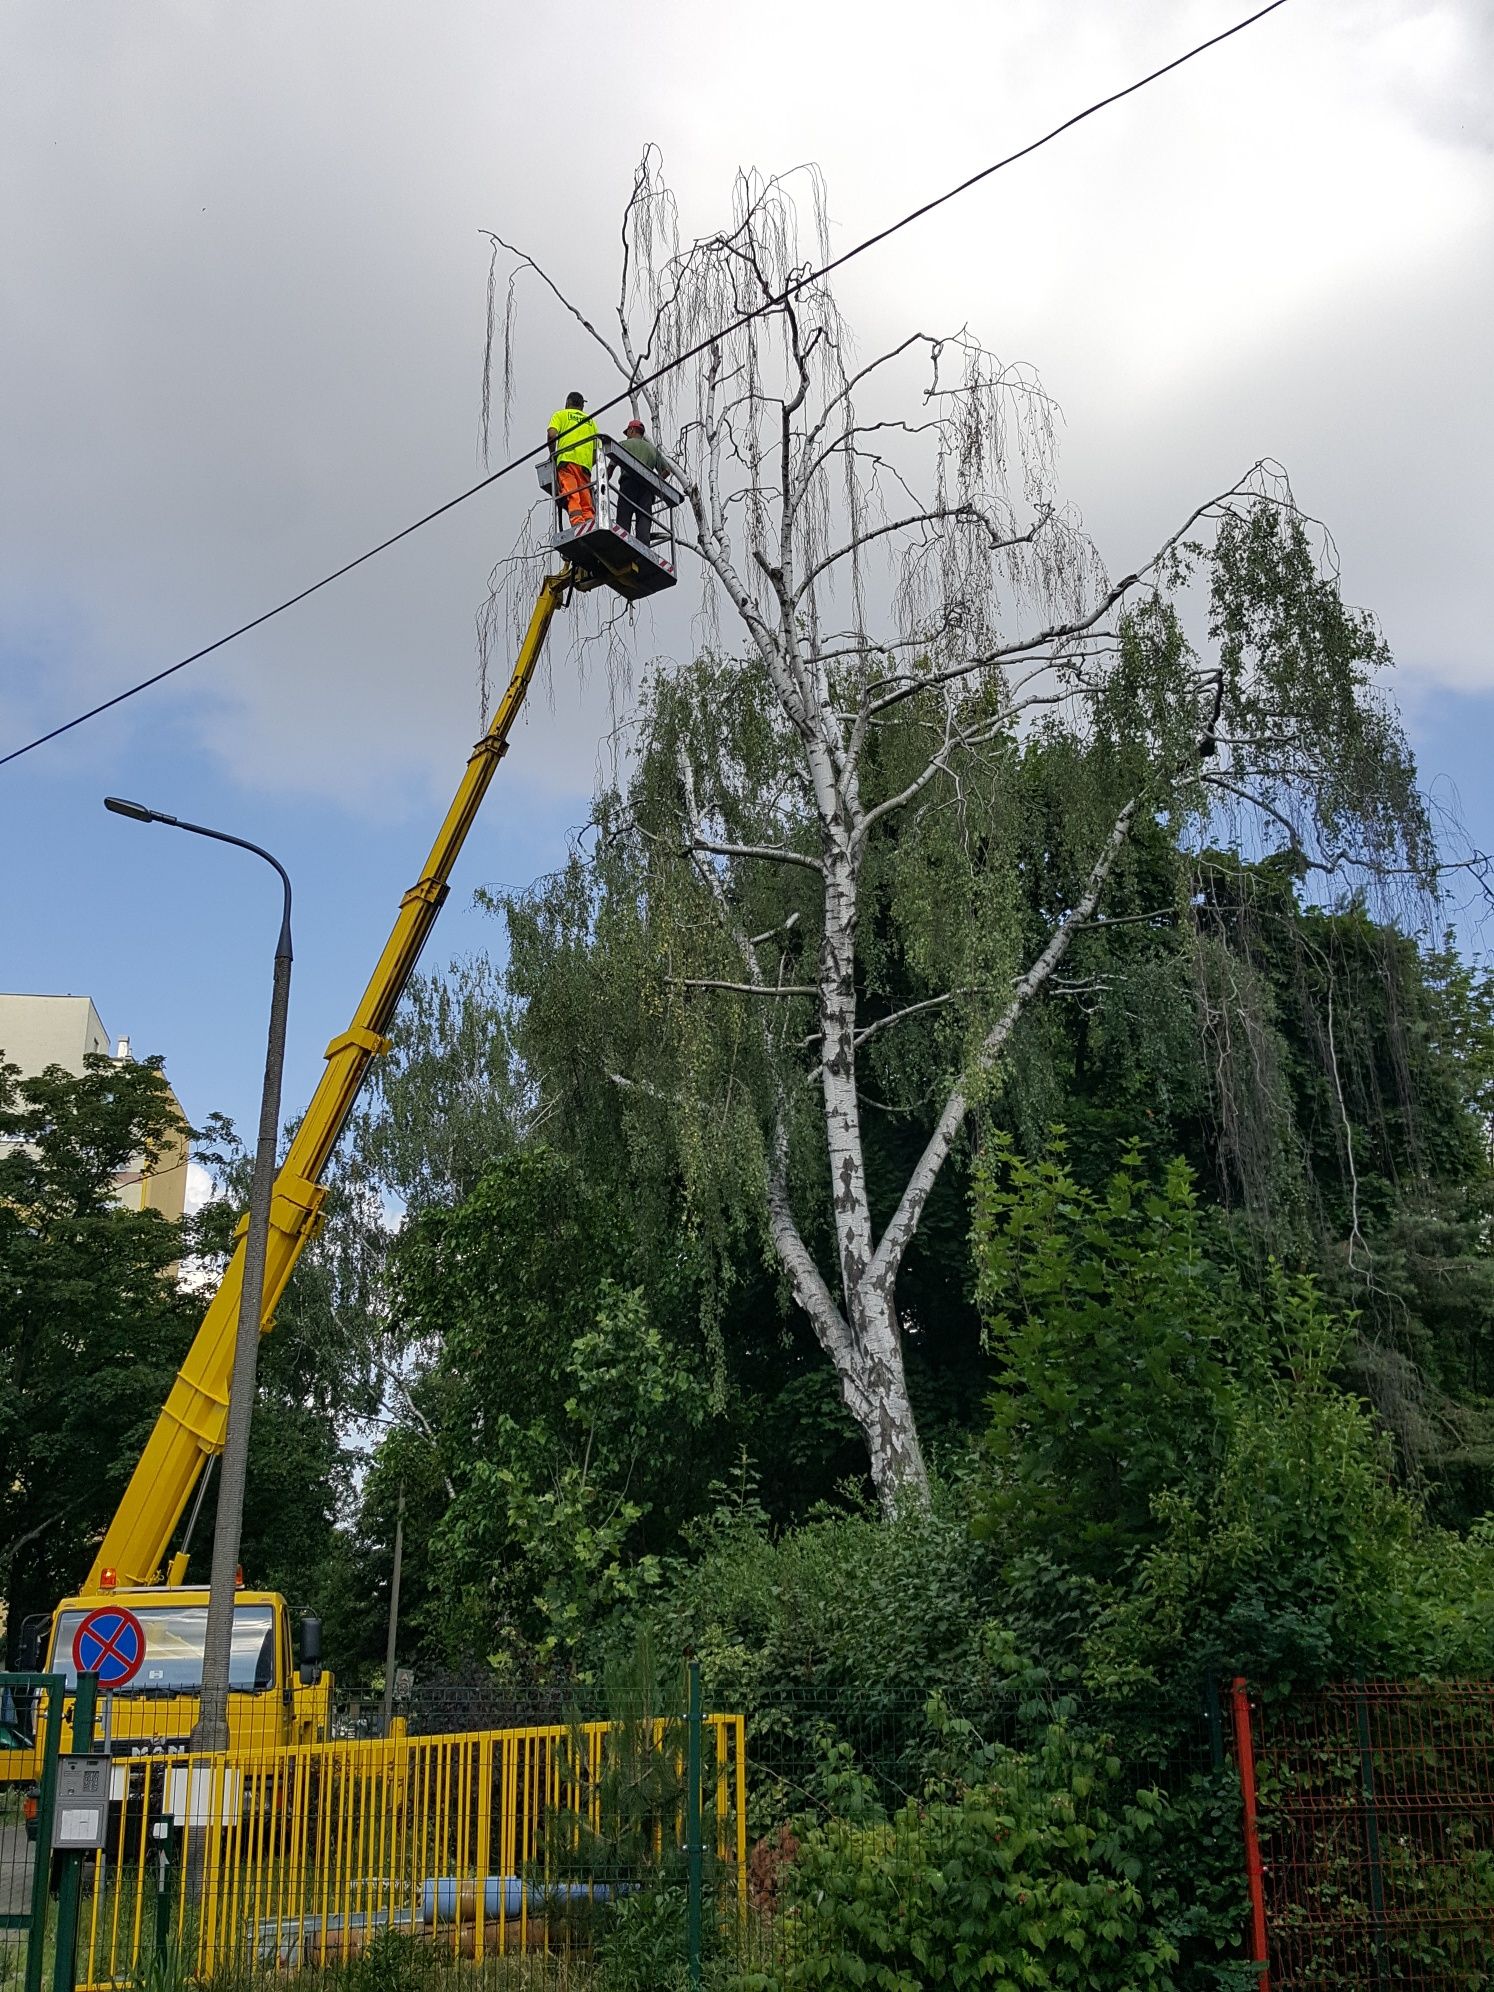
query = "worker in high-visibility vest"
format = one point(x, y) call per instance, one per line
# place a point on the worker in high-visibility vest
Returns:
point(573, 450)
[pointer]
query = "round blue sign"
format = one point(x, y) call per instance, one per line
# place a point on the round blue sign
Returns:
point(110, 1643)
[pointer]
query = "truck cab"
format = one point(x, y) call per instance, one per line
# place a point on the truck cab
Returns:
point(271, 1703)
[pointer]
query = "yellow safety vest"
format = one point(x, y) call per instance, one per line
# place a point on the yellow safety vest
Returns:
point(580, 433)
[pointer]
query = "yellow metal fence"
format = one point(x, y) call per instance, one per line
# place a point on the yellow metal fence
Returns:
point(483, 1843)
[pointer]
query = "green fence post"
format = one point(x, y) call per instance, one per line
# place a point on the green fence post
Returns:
point(41, 1864)
point(1214, 1713)
point(163, 1888)
point(694, 1849)
point(70, 1888)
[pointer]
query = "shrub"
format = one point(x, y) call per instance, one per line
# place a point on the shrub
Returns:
point(1179, 1484)
point(847, 1604)
point(1033, 1877)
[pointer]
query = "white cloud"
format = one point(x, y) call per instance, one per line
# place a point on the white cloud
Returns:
point(199, 1189)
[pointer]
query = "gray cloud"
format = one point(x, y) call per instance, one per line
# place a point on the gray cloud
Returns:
point(241, 289)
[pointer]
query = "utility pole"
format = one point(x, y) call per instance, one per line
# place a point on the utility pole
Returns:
point(211, 1730)
point(399, 1557)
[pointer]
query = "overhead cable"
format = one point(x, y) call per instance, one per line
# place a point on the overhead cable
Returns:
point(770, 304)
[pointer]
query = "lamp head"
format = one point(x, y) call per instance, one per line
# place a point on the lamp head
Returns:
point(137, 811)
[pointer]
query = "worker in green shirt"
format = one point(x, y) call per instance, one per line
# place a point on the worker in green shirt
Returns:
point(573, 448)
point(635, 497)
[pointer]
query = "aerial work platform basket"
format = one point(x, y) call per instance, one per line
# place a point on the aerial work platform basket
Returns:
point(629, 544)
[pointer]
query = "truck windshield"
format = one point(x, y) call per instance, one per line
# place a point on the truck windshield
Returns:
point(174, 1637)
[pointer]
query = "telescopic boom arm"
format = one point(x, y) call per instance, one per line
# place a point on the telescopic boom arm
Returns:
point(190, 1428)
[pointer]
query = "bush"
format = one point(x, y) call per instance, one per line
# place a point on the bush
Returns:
point(846, 1605)
point(1300, 1561)
point(392, 1962)
point(1179, 1484)
point(1034, 1877)
point(645, 1948)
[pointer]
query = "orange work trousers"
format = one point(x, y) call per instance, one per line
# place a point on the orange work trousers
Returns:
point(575, 494)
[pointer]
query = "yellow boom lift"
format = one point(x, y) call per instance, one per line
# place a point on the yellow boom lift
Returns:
point(135, 1575)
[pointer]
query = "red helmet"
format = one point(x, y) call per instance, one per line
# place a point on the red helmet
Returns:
point(634, 428)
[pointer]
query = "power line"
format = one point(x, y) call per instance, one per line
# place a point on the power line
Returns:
point(774, 303)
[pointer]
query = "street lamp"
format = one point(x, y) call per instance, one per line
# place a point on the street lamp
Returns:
point(211, 1732)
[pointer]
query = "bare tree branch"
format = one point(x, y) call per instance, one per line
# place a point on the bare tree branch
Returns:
point(943, 516)
point(744, 988)
point(527, 262)
point(1058, 633)
point(869, 1031)
point(778, 854)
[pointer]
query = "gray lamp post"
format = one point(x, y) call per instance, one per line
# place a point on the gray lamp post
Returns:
point(211, 1732)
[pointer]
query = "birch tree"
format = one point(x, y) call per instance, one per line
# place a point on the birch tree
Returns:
point(909, 656)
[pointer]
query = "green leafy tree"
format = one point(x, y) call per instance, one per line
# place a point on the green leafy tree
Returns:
point(92, 1320)
point(1180, 1483)
point(558, 1508)
point(1299, 1560)
point(1326, 1076)
point(449, 1097)
point(1111, 1325)
point(554, 1404)
point(1377, 1176)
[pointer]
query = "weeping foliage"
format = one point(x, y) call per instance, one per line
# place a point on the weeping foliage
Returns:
point(1301, 676)
point(636, 1021)
point(450, 1094)
point(646, 1042)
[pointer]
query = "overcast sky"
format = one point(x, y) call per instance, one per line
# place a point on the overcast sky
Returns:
point(241, 301)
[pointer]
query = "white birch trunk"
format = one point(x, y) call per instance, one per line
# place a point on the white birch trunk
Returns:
point(897, 1464)
point(878, 1396)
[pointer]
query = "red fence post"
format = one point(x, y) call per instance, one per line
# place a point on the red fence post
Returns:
point(1254, 1877)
